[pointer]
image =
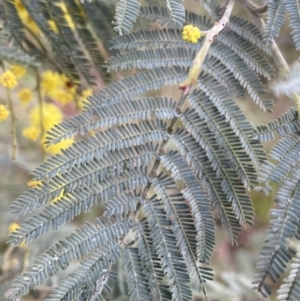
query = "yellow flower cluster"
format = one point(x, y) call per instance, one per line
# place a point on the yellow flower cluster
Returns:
point(18, 71)
point(25, 95)
point(51, 115)
point(32, 132)
point(8, 79)
point(191, 33)
point(58, 87)
point(3, 113)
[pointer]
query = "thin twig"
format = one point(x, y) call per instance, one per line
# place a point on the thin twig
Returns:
point(13, 120)
point(254, 11)
point(41, 111)
point(201, 55)
point(278, 56)
point(14, 143)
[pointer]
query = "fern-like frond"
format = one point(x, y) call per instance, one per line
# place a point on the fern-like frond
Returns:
point(248, 52)
point(158, 39)
point(164, 243)
point(159, 15)
point(137, 282)
point(126, 15)
point(88, 39)
point(101, 13)
point(176, 10)
point(122, 203)
point(128, 111)
point(91, 277)
point(286, 124)
point(79, 199)
point(174, 56)
point(82, 63)
point(275, 19)
point(176, 210)
point(135, 85)
point(226, 106)
point(14, 54)
point(13, 20)
point(87, 239)
point(236, 194)
point(285, 155)
point(228, 141)
point(74, 200)
point(100, 145)
point(276, 254)
point(249, 32)
point(199, 162)
point(172, 50)
point(290, 288)
point(197, 196)
point(41, 14)
point(151, 267)
point(292, 7)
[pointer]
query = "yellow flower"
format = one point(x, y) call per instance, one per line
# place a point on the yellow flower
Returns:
point(56, 148)
point(8, 79)
point(18, 71)
point(191, 34)
point(33, 183)
point(31, 133)
point(61, 96)
point(25, 95)
point(3, 113)
point(50, 81)
point(13, 228)
point(51, 115)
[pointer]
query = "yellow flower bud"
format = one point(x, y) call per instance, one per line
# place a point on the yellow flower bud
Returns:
point(25, 95)
point(8, 79)
point(191, 34)
point(31, 133)
point(3, 113)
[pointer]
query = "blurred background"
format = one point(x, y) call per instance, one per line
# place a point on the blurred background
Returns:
point(234, 266)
